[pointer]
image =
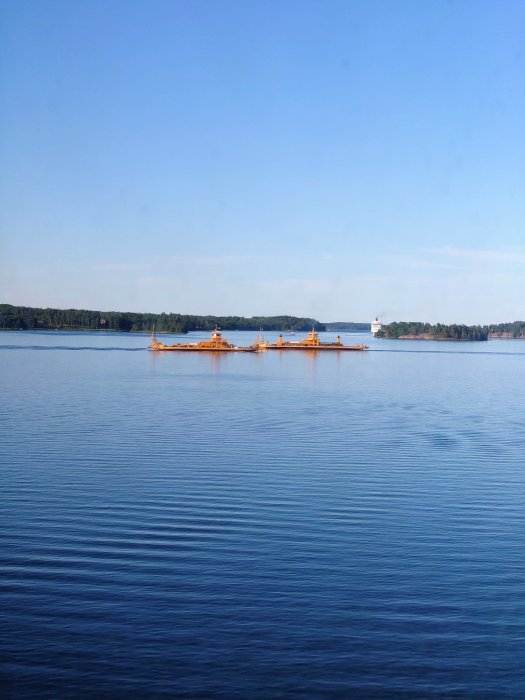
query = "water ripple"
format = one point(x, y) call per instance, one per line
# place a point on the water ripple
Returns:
point(261, 526)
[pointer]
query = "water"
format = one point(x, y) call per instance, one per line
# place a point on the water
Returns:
point(260, 526)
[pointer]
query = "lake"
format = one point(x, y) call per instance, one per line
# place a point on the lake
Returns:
point(272, 525)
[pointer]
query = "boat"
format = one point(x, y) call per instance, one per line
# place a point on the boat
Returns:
point(311, 342)
point(216, 344)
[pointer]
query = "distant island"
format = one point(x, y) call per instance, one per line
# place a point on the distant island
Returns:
point(29, 318)
point(414, 330)
point(351, 326)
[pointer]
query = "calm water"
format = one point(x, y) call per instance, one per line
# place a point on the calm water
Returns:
point(261, 526)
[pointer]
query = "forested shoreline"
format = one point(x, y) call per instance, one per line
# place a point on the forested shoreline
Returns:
point(516, 329)
point(440, 331)
point(31, 318)
point(427, 331)
point(350, 326)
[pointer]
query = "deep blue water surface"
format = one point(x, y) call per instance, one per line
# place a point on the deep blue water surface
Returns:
point(261, 526)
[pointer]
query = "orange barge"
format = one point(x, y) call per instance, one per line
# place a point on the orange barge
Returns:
point(311, 342)
point(216, 344)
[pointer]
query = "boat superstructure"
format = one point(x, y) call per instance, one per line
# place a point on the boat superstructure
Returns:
point(375, 326)
point(215, 344)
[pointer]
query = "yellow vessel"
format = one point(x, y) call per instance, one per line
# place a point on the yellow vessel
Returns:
point(311, 342)
point(216, 344)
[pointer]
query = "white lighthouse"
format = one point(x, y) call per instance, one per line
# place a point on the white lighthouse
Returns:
point(375, 326)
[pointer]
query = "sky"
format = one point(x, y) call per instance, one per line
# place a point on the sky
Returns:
point(336, 159)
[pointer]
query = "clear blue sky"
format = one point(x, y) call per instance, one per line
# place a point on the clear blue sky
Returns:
point(334, 158)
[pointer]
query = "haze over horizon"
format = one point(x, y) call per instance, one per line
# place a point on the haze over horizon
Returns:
point(339, 160)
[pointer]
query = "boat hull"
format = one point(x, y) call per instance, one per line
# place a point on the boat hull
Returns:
point(322, 348)
point(189, 348)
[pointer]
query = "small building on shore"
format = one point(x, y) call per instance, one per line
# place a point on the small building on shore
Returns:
point(375, 326)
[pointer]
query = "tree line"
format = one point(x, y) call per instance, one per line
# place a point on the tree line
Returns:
point(516, 329)
point(439, 331)
point(29, 318)
point(347, 326)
